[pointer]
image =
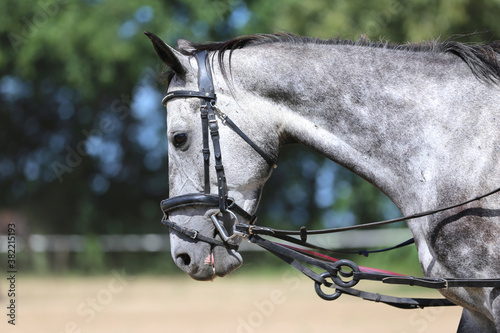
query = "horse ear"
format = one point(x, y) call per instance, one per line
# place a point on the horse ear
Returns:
point(168, 55)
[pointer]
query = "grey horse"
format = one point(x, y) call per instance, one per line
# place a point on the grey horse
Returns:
point(420, 122)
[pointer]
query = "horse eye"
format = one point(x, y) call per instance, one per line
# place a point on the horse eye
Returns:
point(180, 139)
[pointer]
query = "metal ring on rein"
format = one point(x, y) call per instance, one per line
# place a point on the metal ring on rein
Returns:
point(337, 280)
point(322, 294)
point(220, 228)
point(337, 268)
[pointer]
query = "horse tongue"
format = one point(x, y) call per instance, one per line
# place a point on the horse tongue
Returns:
point(209, 260)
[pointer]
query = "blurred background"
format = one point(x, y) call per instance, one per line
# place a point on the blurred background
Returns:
point(83, 167)
point(83, 151)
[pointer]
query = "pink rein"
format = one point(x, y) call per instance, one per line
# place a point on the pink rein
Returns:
point(328, 258)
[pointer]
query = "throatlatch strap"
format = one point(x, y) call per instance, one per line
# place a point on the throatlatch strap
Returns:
point(238, 131)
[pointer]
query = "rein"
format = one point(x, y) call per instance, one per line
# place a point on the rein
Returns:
point(343, 274)
point(343, 281)
point(303, 232)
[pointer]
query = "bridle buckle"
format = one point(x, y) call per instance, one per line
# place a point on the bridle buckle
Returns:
point(195, 234)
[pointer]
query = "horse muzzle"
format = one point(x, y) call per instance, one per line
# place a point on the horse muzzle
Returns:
point(229, 238)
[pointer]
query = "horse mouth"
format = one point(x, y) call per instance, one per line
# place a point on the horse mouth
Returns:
point(219, 262)
point(201, 260)
point(210, 261)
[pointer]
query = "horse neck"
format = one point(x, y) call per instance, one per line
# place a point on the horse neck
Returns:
point(391, 117)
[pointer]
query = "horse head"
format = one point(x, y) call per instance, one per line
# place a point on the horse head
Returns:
point(215, 171)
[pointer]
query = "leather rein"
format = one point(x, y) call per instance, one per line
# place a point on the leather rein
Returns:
point(341, 275)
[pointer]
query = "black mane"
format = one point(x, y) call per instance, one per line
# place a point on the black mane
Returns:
point(483, 59)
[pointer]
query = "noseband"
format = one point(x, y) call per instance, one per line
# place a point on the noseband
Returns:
point(209, 114)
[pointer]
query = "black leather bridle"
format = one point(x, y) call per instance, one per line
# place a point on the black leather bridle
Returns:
point(209, 114)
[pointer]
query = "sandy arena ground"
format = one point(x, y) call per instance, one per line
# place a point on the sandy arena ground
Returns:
point(239, 304)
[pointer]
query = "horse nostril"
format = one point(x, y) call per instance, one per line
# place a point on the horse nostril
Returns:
point(186, 259)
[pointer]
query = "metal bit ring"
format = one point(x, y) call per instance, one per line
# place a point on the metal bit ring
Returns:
point(322, 294)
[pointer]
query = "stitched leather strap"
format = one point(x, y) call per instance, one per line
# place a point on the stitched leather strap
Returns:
point(219, 168)
point(186, 94)
point(197, 199)
point(201, 199)
point(441, 283)
point(206, 148)
point(398, 302)
point(194, 234)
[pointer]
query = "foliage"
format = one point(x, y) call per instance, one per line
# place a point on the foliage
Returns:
point(82, 130)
